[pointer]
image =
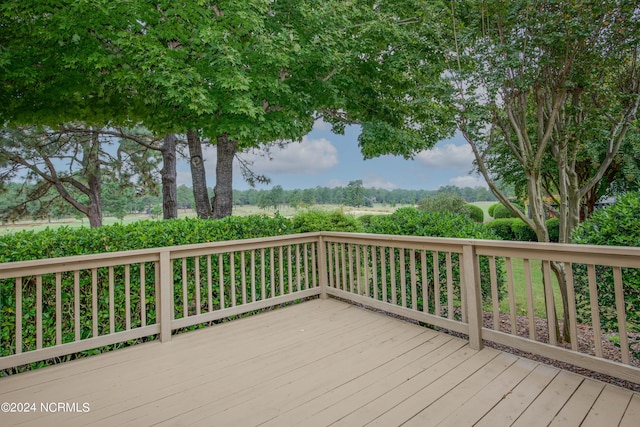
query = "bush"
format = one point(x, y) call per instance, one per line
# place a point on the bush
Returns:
point(501, 211)
point(317, 220)
point(65, 241)
point(365, 219)
point(474, 212)
point(502, 228)
point(553, 227)
point(522, 232)
point(617, 225)
point(442, 202)
point(492, 208)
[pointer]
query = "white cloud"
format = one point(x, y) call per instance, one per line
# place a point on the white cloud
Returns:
point(321, 125)
point(447, 156)
point(377, 181)
point(311, 156)
point(468, 181)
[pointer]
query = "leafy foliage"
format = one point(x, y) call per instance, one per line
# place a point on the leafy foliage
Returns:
point(616, 225)
point(474, 212)
point(316, 220)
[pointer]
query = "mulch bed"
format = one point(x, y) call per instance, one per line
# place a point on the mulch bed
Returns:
point(585, 346)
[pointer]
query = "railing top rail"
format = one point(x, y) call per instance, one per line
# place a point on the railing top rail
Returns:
point(609, 255)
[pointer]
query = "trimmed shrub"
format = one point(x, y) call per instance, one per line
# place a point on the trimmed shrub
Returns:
point(317, 220)
point(65, 241)
point(501, 211)
point(522, 232)
point(617, 225)
point(365, 219)
point(442, 202)
point(474, 212)
point(502, 228)
point(492, 208)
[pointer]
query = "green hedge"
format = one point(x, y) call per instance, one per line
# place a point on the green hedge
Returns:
point(317, 220)
point(518, 230)
point(617, 225)
point(474, 212)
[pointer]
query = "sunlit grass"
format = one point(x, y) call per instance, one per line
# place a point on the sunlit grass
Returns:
point(519, 285)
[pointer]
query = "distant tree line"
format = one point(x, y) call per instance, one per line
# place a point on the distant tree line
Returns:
point(119, 201)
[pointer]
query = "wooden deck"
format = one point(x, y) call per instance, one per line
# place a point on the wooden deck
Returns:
point(323, 362)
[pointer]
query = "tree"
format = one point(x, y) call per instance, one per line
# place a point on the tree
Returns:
point(354, 194)
point(70, 163)
point(542, 88)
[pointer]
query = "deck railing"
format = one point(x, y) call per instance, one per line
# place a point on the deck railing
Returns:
point(505, 292)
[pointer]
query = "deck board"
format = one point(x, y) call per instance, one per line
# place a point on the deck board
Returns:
point(318, 363)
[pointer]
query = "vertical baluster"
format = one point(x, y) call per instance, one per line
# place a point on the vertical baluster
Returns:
point(350, 258)
point(571, 296)
point(621, 314)
point(358, 270)
point(494, 293)
point(58, 308)
point(143, 298)
point(185, 292)
point(18, 315)
point(512, 296)
point(253, 275)
point(281, 270)
point(232, 270)
point(76, 305)
point(112, 319)
point(551, 308)
point(343, 265)
point(392, 272)
point(263, 283)
point(221, 279)
point(290, 269)
point(209, 284)
point(425, 282)
point(243, 278)
point(414, 290)
point(39, 311)
point(374, 264)
point(272, 273)
point(196, 261)
point(298, 275)
point(306, 266)
point(336, 262)
point(94, 301)
point(436, 283)
point(333, 281)
point(314, 276)
point(403, 277)
point(595, 309)
point(365, 253)
point(529, 290)
point(449, 286)
point(127, 296)
point(383, 271)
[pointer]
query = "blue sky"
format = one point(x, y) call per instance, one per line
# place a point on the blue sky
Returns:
point(326, 159)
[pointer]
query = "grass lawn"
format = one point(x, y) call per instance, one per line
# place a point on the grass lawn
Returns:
point(519, 285)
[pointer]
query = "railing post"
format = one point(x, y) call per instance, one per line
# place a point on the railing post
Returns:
point(165, 296)
point(322, 268)
point(474, 296)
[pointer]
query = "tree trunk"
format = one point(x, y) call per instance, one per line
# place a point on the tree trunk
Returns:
point(91, 163)
point(223, 199)
point(168, 174)
point(198, 175)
